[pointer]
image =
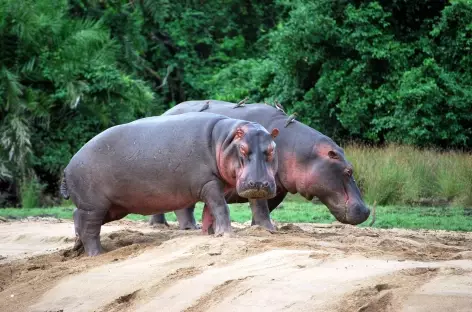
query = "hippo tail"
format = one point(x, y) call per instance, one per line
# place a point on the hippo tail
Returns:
point(63, 189)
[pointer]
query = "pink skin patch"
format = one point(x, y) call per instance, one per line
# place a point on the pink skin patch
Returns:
point(226, 166)
point(300, 179)
point(296, 175)
point(327, 151)
point(207, 219)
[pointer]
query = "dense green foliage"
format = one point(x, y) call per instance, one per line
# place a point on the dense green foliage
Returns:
point(373, 71)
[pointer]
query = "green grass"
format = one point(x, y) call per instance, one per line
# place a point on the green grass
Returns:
point(296, 210)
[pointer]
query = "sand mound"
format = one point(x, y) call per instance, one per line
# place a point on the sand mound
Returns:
point(299, 268)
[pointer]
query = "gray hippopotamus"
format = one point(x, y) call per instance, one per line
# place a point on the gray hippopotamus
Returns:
point(160, 164)
point(310, 164)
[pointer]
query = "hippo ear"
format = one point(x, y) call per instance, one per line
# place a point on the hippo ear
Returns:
point(239, 133)
point(333, 155)
point(274, 133)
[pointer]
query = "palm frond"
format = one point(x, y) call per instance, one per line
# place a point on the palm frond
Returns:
point(85, 40)
point(157, 10)
point(28, 67)
point(5, 173)
point(15, 140)
point(13, 89)
point(75, 89)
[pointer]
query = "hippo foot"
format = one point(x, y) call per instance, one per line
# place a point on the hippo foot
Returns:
point(189, 226)
point(75, 251)
point(219, 233)
point(265, 224)
point(222, 230)
point(91, 247)
point(225, 235)
point(78, 246)
point(157, 223)
point(94, 251)
point(210, 230)
point(158, 219)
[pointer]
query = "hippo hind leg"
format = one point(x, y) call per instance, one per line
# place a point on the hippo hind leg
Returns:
point(158, 218)
point(88, 224)
point(113, 214)
point(78, 246)
point(207, 221)
point(186, 218)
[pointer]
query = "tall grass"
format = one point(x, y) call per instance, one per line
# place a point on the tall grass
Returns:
point(407, 175)
point(30, 192)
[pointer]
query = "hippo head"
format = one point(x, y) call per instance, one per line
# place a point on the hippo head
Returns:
point(330, 177)
point(256, 159)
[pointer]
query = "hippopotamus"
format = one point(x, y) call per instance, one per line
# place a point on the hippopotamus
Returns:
point(310, 164)
point(160, 164)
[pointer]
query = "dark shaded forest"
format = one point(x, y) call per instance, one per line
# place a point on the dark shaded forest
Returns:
point(372, 72)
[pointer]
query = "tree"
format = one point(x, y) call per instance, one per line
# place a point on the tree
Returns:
point(46, 84)
point(378, 71)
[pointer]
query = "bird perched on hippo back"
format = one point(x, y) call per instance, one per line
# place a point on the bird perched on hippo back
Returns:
point(279, 106)
point(310, 164)
point(290, 119)
point(160, 164)
point(205, 107)
point(241, 103)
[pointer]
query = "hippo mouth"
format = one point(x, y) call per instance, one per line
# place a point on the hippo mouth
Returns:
point(347, 207)
point(255, 193)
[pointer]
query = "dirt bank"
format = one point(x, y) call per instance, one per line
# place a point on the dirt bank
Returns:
point(303, 267)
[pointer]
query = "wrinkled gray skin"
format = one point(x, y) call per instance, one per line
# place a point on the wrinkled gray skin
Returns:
point(310, 164)
point(160, 164)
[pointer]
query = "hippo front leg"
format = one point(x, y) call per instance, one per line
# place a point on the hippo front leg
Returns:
point(271, 205)
point(216, 210)
point(261, 214)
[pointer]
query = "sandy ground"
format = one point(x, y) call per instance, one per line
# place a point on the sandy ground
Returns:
point(303, 267)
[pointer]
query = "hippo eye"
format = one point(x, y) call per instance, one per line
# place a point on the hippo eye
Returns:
point(269, 153)
point(333, 155)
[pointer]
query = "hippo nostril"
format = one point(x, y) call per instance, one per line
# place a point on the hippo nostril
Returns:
point(251, 184)
point(265, 184)
point(349, 172)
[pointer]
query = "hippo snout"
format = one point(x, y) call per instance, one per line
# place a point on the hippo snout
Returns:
point(258, 185)
point(354, 213)
point(357, 213)
point(257, 189)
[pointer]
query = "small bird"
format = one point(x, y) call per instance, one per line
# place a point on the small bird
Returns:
point(205, 106)
point(279, 106)
point(290, 119)
point(241, 103)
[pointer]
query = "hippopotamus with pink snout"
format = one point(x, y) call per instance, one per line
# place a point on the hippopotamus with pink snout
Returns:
point(160, 164)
